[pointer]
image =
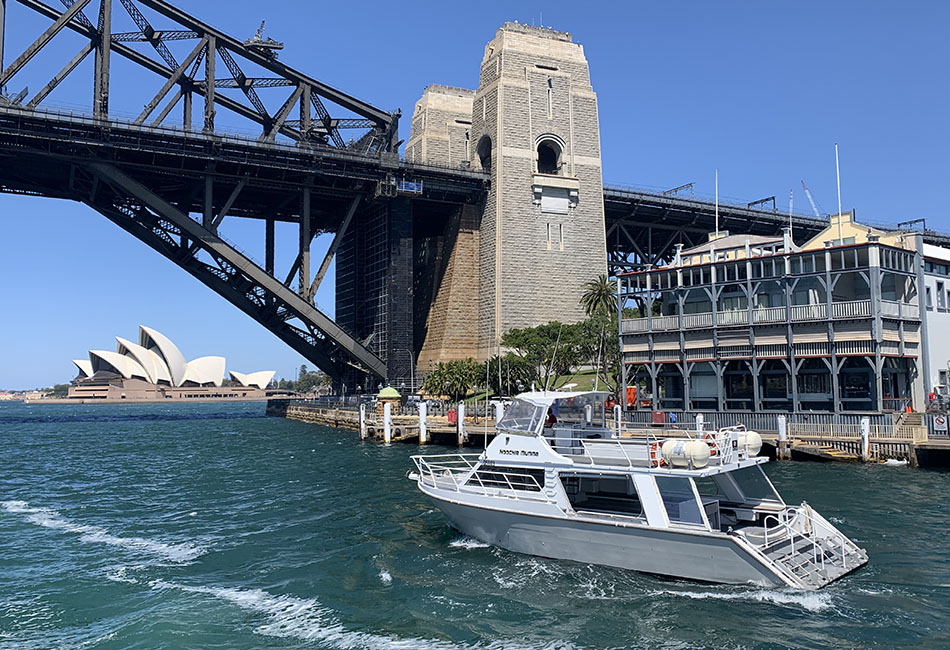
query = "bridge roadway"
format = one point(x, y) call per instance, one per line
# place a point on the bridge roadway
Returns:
point(173, 189)
point(151, 181)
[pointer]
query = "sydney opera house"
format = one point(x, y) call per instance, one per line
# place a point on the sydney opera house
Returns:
point(154, 368)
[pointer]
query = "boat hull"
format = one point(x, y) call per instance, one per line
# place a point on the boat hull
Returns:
point(674, 553)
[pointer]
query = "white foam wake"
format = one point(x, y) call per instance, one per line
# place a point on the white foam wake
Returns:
point(468, 543)
point(50, 518)
point(306, 619)
point(813, 602)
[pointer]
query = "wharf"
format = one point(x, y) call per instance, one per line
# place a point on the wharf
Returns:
point(804, 442)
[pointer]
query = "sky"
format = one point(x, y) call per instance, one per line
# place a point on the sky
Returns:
point(761, 91)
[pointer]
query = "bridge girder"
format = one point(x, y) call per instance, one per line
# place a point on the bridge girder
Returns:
point(313, 124)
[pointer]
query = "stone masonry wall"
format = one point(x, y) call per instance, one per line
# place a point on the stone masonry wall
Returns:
point(535, 86)
point(440, 132)
point(451, 327)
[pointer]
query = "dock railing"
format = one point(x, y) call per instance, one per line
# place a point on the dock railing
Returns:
point(878, 432)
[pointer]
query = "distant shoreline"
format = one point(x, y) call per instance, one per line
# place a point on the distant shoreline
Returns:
point(166, 400)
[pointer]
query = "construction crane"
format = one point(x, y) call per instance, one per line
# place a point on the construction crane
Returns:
point(811, 200)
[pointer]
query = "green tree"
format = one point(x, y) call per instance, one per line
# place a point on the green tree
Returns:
point(600, 348)
point(552, 350)
point(599, 295)
point(58, 391)
point(506, 372)
point(453, 378)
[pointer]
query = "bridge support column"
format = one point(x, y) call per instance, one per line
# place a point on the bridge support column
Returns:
point(209, 84)
point(303, 285)
point(103, 52)
point(269, 246)
point(208, 214)
point(186, 109)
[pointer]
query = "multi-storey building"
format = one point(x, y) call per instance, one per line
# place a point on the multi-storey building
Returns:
point(755, 323)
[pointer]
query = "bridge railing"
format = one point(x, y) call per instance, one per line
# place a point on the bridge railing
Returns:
point(219, 136)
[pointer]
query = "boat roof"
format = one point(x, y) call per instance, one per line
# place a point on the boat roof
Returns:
point(548, 397)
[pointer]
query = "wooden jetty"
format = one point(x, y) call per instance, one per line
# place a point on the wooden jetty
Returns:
point(905, 438)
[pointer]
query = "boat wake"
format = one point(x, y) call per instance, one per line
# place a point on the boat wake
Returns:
point(468, 543)
point(49, 518)
point(810, 601)
point(307, 619)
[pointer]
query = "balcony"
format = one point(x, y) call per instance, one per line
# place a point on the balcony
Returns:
point(852, 309)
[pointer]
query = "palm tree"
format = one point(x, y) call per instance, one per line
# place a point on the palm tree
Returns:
point(599, 296)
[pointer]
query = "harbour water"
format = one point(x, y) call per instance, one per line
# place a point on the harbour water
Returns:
point(212, 526)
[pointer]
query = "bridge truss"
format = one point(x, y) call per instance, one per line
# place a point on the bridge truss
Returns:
point(173, 185)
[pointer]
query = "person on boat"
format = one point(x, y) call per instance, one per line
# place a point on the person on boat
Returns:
point(550, 420)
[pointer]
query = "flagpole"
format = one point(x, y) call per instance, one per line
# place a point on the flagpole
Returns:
point(717, 202)
point(838, 174)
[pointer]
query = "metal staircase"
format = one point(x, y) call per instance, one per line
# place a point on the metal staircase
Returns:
point(806, 549)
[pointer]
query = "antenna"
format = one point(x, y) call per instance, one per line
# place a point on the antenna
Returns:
point(717, 202)
point(557, 343)
point(791, 202)
point(838, 174)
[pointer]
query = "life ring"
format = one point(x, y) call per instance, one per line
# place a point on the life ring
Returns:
point(656, 458)
point(710, 439)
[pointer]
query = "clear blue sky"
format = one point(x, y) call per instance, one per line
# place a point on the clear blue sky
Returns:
point(759, 90)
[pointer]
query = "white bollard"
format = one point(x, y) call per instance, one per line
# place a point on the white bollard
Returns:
point(461, 423)
point(387, 423)
point(700, 421)
point(423, 432)
point(866, 439)
point(782, 423)
point(617, 418)
point(499, 411)
point(362, 421)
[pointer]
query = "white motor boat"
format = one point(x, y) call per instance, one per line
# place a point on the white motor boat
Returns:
point(558, 482)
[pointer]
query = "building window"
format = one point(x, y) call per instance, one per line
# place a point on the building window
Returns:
point(549, 157)
point(930, 300)
point(550, 98)
point(560, 235)
point(484, 152)
point(941, 297)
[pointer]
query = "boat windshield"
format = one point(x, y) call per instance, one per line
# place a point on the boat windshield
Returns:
point(580, 410)
point(522, 416)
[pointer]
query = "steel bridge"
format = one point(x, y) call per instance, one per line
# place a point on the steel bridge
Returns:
point(174, 180)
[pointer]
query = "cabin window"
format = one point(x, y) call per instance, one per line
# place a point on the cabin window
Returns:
point(508, 478)
point(680, 501)
point(753, 484)
point(603, 493)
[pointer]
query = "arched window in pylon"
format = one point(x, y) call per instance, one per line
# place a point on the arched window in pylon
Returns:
point(549, 157)
point(484, 152)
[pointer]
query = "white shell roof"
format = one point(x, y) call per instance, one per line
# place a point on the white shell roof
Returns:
point(149, 360)
point(125, 366)
point(205, 370)
point(260, 378)
point(168, 351)
point(85, 366)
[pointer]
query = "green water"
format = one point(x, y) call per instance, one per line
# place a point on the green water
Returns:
point(212, 526)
